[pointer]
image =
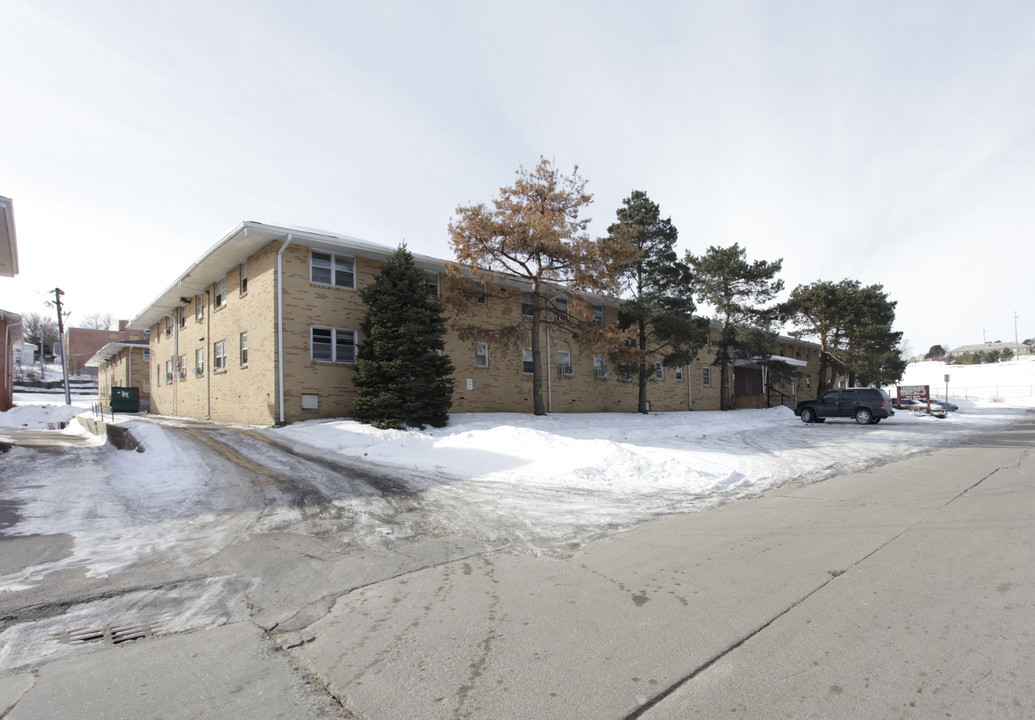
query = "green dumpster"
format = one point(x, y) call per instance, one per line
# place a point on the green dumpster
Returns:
point(125, 399)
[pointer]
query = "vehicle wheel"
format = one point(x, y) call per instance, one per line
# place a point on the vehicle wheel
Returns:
point(863, 416)
point(808, 415)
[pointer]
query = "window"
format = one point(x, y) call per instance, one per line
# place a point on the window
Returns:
point(310, 401)
point(182, 314)
point(526, 361)
point(808, 353)
point(330, 269)
point(706, 376)
point(560, 308)
point(244, 278)
point(431, 283)
point(679, 374)
point(599, 368)
point(336, 345)
point(808, 382)
point(481, 354)
point(168, 326)
point(526, 304)
point(625, 373)
point(199, 307)
point(244, 349)
point(564, 368)
point(147, 355)
point(598, 314)
point(169, 370)
point(199, 361)
point(219, 356)
point(181, 367)
point(659, 371)
point(220, 294)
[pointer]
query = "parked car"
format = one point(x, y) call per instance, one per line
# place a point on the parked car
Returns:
point(951, 407)
point(866, 405)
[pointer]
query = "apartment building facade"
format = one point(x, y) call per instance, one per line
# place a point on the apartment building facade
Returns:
point(263, 329)
point(123, 364)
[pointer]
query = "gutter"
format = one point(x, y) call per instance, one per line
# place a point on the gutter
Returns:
point(280, 327)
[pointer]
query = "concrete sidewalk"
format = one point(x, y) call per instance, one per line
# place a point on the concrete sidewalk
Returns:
point(905, 591)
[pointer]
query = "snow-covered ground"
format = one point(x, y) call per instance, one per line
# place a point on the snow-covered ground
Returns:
point(555, 479)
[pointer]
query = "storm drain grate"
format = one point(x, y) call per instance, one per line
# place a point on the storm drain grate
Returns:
point(112, 635)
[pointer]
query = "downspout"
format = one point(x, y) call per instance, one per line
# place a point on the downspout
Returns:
point(689, 388)
point(176, 356)
point(549, 375)
point(280, 327)
point(207, 358)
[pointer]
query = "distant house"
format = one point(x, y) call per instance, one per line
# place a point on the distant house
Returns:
point(263, 329)
point(1017, 348)
point(83, 344)
point(10, 323)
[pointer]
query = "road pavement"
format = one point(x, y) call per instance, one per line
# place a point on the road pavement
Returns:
point(905, 591)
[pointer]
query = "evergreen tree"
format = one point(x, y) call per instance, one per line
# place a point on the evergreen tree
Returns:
point(660, 310)
point(401, 376)
point(738, 291)
point(936, 353)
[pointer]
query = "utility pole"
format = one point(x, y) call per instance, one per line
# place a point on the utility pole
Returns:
point(58, 292)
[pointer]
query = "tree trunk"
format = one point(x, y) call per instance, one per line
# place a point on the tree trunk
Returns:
point(538, 401)
point(641, 403)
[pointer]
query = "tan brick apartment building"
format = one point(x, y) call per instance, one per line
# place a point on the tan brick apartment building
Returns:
point(263, 329)
point(123, 364)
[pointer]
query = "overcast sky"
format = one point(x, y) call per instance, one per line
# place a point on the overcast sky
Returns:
point(887, 142)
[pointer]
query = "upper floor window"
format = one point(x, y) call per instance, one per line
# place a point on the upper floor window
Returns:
point(560, 308)
point(219, 355)
point(706, 376)
point(199, 307)
point(659, 371)
point(598, 313)
point(330, 269)
point(526, 303)
point(244, 278)
point(431, 283)
point(220, 294)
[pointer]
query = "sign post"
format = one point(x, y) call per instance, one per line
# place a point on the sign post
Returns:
point(946, 388)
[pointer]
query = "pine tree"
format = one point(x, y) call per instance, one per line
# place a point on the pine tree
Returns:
point(737, 290)
point(660, 306)
point(402, 377)
point(533, 232)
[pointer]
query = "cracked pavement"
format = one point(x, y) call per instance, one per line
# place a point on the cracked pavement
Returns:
point(900, 591)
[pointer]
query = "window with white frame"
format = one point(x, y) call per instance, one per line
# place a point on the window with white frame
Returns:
point(659, 371)
point(199, 307)
point(169, 370)
point(219, 356)
point(625, 373)
point(706, 376)
point(599, 368)
point(334, 345)
point(331, 269)
point(181, 366)
point(526, 360)
point(598, 314)
point(526, 303)
point(564, 368)
point(168, 326)
point(481, 354)
point(244, 349)
point(679, 374)
point(431, 283)
point(182, 314)
point(147, 355)
point(219, 298)
point(199, 361)
point(560, 308)
point(244, 278)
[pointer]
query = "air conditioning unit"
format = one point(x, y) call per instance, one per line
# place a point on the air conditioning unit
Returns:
point(565, 370)
point(168, 377)
point(599, 373)
point(199, 370)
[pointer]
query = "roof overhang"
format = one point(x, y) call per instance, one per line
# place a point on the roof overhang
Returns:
point(758, 362)
point(244, 240)
point(111, 350)
point(8, 240)
point(13, 320)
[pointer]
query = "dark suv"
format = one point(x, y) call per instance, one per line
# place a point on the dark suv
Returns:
point(866, 405)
